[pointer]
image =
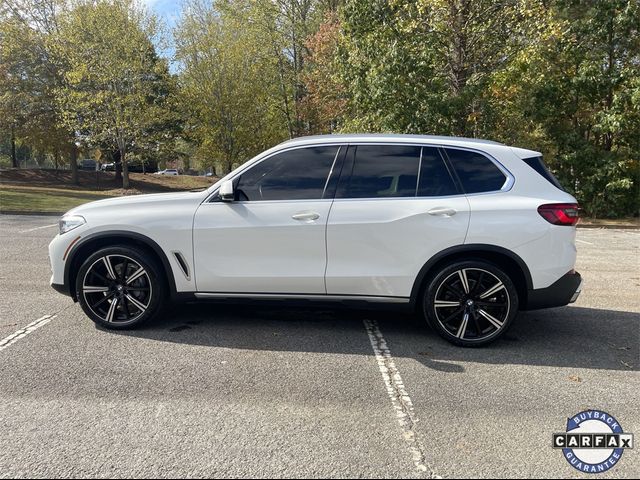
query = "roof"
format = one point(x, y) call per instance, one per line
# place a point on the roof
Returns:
point(388, 137)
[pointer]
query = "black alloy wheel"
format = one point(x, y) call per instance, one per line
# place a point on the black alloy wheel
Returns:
point(471, 303)
point(119, 287)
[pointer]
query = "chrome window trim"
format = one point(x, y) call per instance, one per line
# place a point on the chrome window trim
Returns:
point(507, 186)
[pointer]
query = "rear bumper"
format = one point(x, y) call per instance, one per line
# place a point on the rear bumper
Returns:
point(564, 291)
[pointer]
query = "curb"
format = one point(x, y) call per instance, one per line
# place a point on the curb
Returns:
point(17, 212)
point(612, 226)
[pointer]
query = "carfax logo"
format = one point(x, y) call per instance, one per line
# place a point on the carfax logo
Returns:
point(594, 441)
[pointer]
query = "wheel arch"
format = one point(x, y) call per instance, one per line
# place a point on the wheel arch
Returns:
point(513, 265)
point(91, 243)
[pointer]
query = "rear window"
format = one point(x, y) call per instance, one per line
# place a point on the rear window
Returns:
point(538, 165)
point(384, 171)
point(476, 172)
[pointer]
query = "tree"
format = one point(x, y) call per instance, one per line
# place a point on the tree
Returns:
point(575, 95)
point(227, 84)
point(115, 84)
point(424, 66)
point(324, 104)
point(30, 72)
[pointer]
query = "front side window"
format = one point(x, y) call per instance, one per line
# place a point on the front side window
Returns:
point(299, 174)
point(476, 172)
point(383, 171)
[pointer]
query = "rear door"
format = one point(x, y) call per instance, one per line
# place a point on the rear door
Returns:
point(396, 206)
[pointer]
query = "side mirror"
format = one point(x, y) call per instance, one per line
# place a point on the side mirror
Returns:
point(226, 191)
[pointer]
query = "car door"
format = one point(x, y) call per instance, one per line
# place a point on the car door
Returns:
point(396, 206)
point(271, 239)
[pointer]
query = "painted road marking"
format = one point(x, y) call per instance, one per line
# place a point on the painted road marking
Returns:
point(400, 400)
point(38, 228)
point(23, 332)
point(583, 241)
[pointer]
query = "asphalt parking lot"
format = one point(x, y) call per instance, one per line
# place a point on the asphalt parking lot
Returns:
point(264, 390)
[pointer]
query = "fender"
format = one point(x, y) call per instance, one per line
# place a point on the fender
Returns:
point(136, 237)
point(468, 248)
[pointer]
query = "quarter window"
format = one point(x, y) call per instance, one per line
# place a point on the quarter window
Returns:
point(299, 174)
point(476, 172)
point(435, 180)
point(384, 171)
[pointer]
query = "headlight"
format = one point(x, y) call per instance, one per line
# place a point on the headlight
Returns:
point(69, 222)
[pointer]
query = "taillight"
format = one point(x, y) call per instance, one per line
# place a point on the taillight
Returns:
point(560, 213)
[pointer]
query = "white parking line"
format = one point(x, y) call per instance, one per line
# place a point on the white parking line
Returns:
point(23, 332)
point(38, 228)
point(583, 241)
point(400, 400)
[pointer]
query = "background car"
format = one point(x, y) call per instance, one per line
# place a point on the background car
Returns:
point(88, 164)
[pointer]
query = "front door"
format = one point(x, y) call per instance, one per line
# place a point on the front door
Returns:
point(271, 239)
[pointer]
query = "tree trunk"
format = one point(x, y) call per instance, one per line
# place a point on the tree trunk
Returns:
point(74, 164)
point(125, 170)
point(14, 157)
point(117, 159)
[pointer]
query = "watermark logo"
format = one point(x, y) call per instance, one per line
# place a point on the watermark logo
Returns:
point(594, 441)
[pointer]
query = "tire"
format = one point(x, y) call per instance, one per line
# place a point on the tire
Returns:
point(138, 291)
point(470, 303)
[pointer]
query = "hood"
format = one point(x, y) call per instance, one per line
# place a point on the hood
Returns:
point(127, 202)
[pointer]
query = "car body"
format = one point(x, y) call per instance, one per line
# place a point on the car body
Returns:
point(108, 167)
point(462, 228)
point(88, 164)
point(169, 171)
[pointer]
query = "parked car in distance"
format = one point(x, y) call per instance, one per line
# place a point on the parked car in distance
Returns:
point(466, 232)
point(169, 171)
point(88, 164)
point(108, 167)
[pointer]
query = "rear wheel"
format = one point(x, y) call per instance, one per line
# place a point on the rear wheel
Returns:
point(470, 303)
point(120, 287)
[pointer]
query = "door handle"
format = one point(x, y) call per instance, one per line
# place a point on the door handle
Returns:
point(442, 211)
point(305, 216)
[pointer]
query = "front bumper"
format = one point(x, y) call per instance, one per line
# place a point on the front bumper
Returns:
point(64, 289)
point(564, 291)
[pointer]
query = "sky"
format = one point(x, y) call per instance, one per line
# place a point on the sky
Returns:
point(168, 10)
point(169, 13)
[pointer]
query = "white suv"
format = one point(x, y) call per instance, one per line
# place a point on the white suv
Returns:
point(465, 231)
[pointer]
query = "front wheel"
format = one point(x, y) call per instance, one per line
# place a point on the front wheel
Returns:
point(120, 287)
point(470, 303)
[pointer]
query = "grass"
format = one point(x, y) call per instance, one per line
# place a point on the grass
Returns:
point(34, 199)
point(51, 191)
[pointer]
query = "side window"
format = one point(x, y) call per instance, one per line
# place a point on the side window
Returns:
point(299, 174)
point(383, 171)
point(435, 179)
point(476, 172)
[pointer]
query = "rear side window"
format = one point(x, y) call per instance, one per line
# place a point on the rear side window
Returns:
point(476, 172)
point(538, 165)
point(384, 171)
point(435, 180)
point(299, 174)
